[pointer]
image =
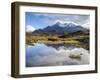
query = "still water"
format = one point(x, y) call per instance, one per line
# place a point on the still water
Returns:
point(55, 55)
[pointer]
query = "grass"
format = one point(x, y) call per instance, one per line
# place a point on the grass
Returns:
point(78, 41)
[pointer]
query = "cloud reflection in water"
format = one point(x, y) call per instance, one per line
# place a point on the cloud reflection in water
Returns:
point(43, 55)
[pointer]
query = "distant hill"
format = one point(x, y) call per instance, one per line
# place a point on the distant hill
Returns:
point(62, 28)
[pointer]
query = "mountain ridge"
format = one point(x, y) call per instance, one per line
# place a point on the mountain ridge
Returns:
point(61, 28)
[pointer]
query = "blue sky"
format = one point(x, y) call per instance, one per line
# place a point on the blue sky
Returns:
point(42, 20)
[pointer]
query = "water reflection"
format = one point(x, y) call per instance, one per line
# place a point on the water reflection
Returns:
point(55, 55)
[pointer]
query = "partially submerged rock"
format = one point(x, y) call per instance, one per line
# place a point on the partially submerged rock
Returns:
point(75, 56)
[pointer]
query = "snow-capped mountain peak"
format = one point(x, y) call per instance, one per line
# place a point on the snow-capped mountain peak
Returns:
point(62, 27)
point(65, 24)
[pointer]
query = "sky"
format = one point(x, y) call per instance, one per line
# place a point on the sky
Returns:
point(41, 20)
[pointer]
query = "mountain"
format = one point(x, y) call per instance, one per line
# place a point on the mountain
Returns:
point(61, 28)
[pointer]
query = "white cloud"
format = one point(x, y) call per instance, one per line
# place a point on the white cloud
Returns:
point(29, 28)
point(86, 25)
point(49, 56)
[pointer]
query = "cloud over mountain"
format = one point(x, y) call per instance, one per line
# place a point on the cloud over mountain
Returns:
point(42, 20)
point(29, 28)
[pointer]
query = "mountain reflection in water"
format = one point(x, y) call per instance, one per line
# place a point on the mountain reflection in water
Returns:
point(55, 55)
